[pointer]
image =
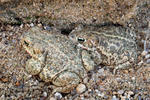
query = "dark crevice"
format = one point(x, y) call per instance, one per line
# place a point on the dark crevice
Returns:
point(66, 31)
point(9, 4)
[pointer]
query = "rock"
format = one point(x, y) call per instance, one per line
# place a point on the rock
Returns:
point(120, 92)
point(144, 53)
point(130, 93)
point(114, 98)
point(85, 80)
point(58, 95)
point(31, 24)
point(47, 28)
point(45, 94)
point(101, 71)
point(2, 97)
point(80, 88)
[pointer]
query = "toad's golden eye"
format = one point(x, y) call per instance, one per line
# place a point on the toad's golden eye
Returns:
point(81, 40)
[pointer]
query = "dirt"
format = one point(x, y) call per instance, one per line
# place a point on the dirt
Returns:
point(17, 16)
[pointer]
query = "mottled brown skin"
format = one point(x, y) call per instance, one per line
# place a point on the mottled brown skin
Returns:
point(54, 58)
point(109, 45)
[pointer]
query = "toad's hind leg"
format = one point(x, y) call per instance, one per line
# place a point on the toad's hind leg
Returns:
point(65, 82)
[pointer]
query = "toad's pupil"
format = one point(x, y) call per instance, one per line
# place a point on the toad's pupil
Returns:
point(81, 40)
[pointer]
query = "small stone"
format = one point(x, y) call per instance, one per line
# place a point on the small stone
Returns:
point(58, 95)
point(17, 83)
point(123, 98)
point(96, 90)
point(2, 97)
point(31, 24)
point(148, 61)
point(36, 82)
point(47, 28)
point(80, 88)
point(114, 98)
point(101, 94)
point(89, 90)
point(101, 71)
point(144, 53)
point(85, 80)
point(82, 98)
point(133, 78)
point(39, 25)
point(45, 94)
point(130, 93)
point(120, 92)
point(21, 26)
point(147, 56)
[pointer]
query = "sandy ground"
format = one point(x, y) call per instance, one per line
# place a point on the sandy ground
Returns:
point(130, 84)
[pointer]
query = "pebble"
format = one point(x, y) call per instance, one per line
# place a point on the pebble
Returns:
point(2, 97)
point(130, 93)
point(85, 80)
point(114, 98)
point(123, 98)
point(144, 53)
point(82, 98)
point(133, 78)
point(36, 82)
point(147, 56)
point(101, 94)
point(31, 24)
point(101, 71)
point(47, 28)
point(80, 88)
point(45, 94)
point(139, 97)
point(120, 92)
point(39, 25)
point(58, 95)
point(21, 26)
point(148, 61)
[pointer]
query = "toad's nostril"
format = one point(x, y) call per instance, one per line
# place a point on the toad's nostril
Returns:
point(26, 43)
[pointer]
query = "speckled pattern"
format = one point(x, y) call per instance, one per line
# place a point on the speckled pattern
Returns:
point(112, 45)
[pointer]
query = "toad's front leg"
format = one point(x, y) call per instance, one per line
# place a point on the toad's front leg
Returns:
point(90, 59)
point(33, 66)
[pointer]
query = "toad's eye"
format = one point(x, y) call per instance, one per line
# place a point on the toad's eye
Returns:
point(26, 43)
point(81, 40)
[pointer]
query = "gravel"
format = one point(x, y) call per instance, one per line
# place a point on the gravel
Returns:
point(100, 84)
